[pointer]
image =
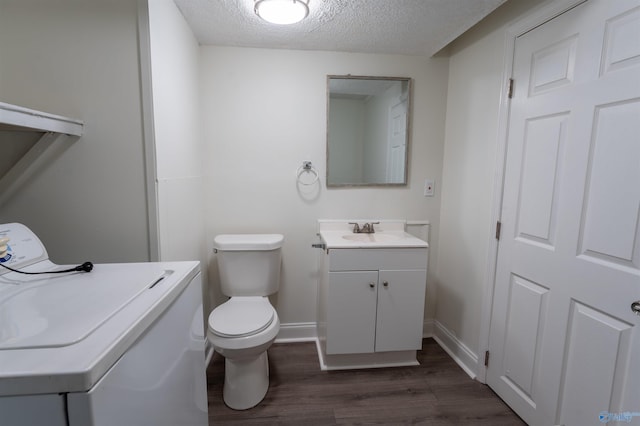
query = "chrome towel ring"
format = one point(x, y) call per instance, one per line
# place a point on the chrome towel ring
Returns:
point(305, 168)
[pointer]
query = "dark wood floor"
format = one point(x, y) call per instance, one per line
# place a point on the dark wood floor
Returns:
point(437, 392)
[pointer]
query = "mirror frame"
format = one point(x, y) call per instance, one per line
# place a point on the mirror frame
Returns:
point(409, 82)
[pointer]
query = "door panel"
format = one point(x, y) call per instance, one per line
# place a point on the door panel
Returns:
point(526, 315)
point(543, 147)
point(589, 375)
point(621, 47)
point(553, 66)
point(612, 201)
point(564, 342)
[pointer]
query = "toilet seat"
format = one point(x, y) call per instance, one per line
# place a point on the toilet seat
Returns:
point(241, 317)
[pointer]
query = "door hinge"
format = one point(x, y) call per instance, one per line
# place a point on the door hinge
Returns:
point(510, 89)
point(486, 358)
point(498, 228)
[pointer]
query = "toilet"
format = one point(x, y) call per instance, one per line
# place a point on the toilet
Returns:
point(243, 328)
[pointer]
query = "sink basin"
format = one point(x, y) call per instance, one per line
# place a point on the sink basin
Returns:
point(373, 238)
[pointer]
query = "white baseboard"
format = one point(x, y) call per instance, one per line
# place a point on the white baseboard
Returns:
point(461, 354)
point(297, 332)
point(306, 331)
point(427, 328)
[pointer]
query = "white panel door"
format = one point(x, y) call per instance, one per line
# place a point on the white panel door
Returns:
point(564, 341)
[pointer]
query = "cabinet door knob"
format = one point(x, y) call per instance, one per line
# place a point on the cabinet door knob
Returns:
point(385, 283)
point(372, 284)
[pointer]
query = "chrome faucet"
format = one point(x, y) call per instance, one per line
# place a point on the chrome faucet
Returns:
point(367, 228)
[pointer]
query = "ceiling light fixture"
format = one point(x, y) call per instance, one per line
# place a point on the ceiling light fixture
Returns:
point(282, 12)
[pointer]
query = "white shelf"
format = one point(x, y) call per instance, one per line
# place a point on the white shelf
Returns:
point(54, 131)
point(13, 117)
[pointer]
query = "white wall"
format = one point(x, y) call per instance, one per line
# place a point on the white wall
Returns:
point(79, 58)
point(178, 143)
point(475, 83)
point(264, 113)
point(177, 138)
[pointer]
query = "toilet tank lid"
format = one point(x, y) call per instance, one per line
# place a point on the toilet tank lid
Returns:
point(237, 242)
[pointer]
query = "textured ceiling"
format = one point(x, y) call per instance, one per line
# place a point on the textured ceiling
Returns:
point(410, 27)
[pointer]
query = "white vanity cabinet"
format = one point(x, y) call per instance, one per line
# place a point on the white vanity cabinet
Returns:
point(371, 306)
point(375, 311)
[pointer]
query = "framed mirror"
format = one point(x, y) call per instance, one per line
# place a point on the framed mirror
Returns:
point(368, 127)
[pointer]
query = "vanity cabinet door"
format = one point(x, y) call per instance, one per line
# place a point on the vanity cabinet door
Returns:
point(351, 312)
point(400, 310)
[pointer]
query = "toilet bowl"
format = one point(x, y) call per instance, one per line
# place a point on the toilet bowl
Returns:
point(243, 328)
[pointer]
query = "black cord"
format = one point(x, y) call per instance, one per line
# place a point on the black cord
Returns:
point(85, 267)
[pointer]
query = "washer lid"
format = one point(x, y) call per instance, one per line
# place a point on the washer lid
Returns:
point(241, 316)
point(230, 242)
point(39, 361)
point(58, 311)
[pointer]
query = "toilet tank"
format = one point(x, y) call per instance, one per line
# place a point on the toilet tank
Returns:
point(249, 264)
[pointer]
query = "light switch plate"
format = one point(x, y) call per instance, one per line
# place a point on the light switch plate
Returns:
point(429, 186)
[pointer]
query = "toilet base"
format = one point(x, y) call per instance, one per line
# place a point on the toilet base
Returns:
point(246, 381)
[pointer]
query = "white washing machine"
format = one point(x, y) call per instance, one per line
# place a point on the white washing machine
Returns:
point(122, 344)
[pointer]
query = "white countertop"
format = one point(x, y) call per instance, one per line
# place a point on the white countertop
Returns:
point(388, 234)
